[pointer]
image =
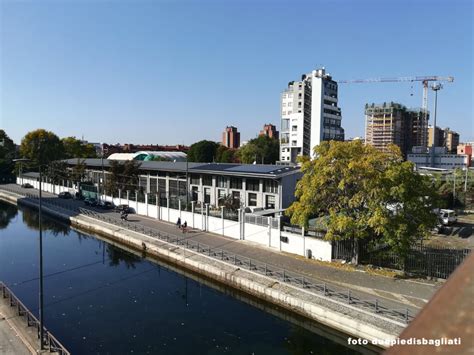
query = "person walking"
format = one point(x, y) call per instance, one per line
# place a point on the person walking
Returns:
point(185, 226)
point(178, 223)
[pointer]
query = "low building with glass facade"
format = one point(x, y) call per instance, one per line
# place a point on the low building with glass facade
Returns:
point(270, 187)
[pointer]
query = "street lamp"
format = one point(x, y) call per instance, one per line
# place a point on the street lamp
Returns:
point(435, 87)
point(41, 293)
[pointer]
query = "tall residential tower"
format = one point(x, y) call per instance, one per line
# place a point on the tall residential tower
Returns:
point(309, 115)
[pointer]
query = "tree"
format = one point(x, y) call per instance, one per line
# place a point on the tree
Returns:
point(50, 144)
point(74, 148)
point(262, 150)
point(226, 155)
point(78, 172)
point(57, 172)
point(7, 154)
point(365, 194)
point(122, 176)
point(203, 152)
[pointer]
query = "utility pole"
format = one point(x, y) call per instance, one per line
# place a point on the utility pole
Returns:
point(435, 87)
point(41, 310)
point(187, 182)
point(454, 187)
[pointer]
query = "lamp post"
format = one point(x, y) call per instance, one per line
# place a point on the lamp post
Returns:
point(435, 87)
point(40, 223)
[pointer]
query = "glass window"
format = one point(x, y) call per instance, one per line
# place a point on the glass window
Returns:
point(153, 185)
point(270, 202)
point(207, 195)
point(252, 199)
point(252, 185)
point(195, 180)
point(207, 180)
point(222, 181)
point(270, 186)
point(235, 183)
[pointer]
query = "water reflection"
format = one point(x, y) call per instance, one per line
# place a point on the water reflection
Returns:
point(117, 255)
point(7, 213)
point(31, 219)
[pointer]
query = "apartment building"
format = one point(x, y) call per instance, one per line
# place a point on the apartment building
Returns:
point(445, 137)
point(231, 137)
point(393, 123)
point(269, 130)
point(309, 115)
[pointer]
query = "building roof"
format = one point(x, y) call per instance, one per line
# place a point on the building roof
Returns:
point(148, 155)
point(268, 171)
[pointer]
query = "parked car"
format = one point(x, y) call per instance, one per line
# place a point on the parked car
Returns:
point(27, 186)
point(65, 195)
point(447, 217)
point(123, 208)
point(106, 205)
point(90, 201)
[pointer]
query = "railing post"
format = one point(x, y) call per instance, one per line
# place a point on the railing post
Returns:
point(406, 315)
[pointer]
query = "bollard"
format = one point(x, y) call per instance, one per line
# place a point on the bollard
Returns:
point(406, 316)
point(376, 305)
point(325, 289)
point(284, 276)
point(265, 269)
point(302, 282)
point(349, 296)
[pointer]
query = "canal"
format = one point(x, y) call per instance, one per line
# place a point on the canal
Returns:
point(101, 299)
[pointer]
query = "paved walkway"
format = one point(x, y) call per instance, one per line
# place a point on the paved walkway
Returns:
point(400, 292)
point(12, 342)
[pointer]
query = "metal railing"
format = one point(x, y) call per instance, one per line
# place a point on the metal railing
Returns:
point(321, 288)
point(49, 341)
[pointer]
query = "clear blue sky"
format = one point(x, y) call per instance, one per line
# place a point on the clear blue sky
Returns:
point(168, 72)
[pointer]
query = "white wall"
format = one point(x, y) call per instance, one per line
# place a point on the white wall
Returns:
point(264, 235)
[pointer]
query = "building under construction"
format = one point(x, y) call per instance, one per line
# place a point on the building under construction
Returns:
point(393, 123)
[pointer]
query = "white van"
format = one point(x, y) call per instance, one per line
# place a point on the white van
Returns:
point(447, 217)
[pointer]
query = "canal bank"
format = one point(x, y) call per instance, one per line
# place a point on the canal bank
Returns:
point(332, 313)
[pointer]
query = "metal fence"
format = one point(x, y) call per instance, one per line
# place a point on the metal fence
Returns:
point(420, 260)
point(49, 341)
point(324, 289)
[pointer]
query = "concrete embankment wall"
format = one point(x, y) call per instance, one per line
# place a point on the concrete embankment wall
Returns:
point(332, 313)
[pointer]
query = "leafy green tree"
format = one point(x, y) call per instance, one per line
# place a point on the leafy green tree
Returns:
point(262, 150)
point(41, 147)
point(365, 194)
point(226, 155)
point(123, 176)
point(7, 154)
point(57, 172)
point(74, 148)
point(78, 172)
point(203, 152)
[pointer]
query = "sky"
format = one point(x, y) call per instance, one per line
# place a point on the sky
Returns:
point(176, 72)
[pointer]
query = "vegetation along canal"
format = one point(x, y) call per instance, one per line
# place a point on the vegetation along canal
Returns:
point(101, 299)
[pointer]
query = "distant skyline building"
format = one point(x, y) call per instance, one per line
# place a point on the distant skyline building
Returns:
point(393, 123)
point(309, 115)
point(444, 138)
point(269, 130)
point(231, 137)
